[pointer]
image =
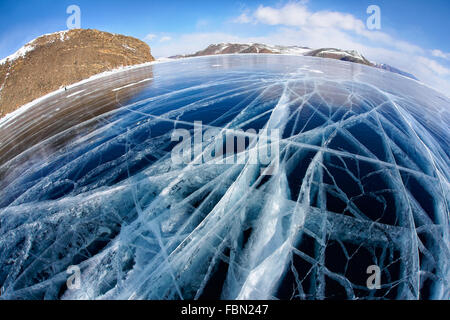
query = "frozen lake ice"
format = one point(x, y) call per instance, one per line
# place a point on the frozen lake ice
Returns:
point(362, 179)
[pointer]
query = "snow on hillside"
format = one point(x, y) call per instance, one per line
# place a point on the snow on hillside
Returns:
point(22, 52)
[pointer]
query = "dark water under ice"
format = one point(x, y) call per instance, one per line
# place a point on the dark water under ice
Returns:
point(361, 179)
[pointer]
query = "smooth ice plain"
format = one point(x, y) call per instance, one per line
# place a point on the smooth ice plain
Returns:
point(362, 179)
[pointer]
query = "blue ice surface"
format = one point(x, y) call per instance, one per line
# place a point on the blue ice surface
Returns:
point(362, 179)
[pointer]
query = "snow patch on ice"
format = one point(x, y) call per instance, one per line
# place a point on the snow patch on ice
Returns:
point(131, 84)
point(75, 93)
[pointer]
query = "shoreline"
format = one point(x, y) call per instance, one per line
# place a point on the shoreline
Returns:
point(10, 116)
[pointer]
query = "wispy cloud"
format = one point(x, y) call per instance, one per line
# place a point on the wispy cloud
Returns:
point(150, 37)
point(438, 53)
point(243, 18)
point(295, 14)
point(434, 66)
point(165, 39)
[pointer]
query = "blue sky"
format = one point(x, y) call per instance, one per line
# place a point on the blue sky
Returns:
point(413, 35)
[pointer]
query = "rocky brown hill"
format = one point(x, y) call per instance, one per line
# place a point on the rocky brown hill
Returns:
point(63, 58)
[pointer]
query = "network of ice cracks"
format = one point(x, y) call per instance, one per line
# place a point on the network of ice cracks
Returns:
point(362, 179)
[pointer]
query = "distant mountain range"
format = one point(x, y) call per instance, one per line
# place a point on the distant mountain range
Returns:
point(63, 58)
point(331, 53)
point(230, 48)
point(395, 70)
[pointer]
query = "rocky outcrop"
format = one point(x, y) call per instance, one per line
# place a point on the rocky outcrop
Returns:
point(63, 58)
point(338, 54)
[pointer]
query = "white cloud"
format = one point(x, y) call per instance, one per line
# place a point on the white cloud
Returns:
point(290, 14)
point(150, 37)
point(297, 14)
point(440, 54)
point(243, 18)
point(434, 66)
